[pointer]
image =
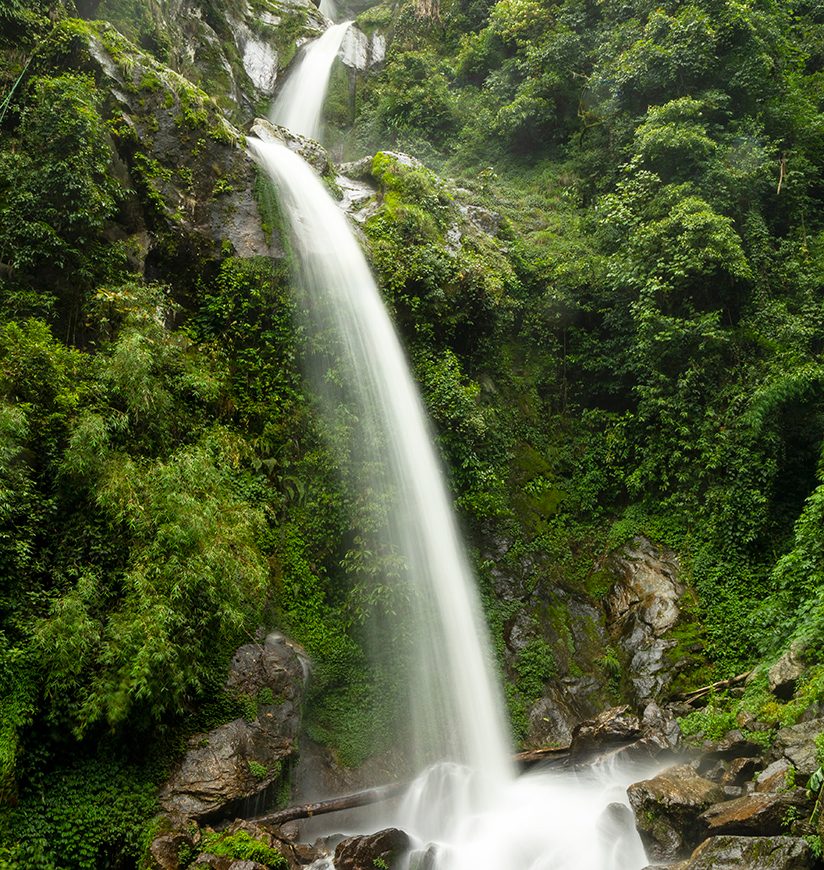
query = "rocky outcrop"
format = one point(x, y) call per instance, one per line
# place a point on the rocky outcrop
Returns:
point(667, 809)
point(383, 849)
point(751, 853)
point(360, 51)
point(236, 52)
point(783, 675)
point(796, 744)
point(188, 178)
point(615, 727)
point(760, 813)
point(310, 150)
point(240, 766)
point(642, 608)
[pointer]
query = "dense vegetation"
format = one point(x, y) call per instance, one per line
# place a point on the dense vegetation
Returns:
point(638, 352)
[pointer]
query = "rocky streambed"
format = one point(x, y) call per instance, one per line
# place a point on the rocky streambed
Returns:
point(740, 801)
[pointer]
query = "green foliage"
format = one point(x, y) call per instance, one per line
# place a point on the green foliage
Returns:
point(56, 191)
point(242, 846)
point(711, 722)
point(258, 771)
point(81, 815)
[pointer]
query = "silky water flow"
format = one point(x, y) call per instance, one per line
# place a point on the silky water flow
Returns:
point(467, 809)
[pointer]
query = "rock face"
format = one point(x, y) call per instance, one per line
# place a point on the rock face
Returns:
point(240, 765)
point(185, 167)
point(752, 853)
point(359, 51)
point(667, 810)
point(642, 608)
point(754, 814)
point(796, 744)
point(236, 52)
point(784, 674)
point(362, 853)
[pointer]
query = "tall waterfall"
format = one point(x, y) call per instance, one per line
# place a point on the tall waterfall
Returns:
point(467, 799)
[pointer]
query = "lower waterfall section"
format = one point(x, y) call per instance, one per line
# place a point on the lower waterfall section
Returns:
point(467, 810)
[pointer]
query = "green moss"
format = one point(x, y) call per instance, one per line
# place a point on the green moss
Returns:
point(241, 846)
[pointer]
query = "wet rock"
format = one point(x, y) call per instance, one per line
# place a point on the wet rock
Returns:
point(361, 853)
point(797, 745)
point(760, 813)
point(667, 809)
point(166, 850)
point(740, 770)
point(642, 608)
point(615, 727)
point(774, 776)
point(310, 150)
point(752, 853)
point(553, 718)
point(783, 675)
point(234, 768)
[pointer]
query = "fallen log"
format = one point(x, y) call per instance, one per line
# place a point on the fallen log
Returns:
point(556, 754)
point(697, 694)
point(333, 805)
point(548, 755)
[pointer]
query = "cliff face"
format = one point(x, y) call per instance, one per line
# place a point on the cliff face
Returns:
point(235, 51)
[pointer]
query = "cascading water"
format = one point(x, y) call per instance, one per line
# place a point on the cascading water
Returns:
point(468, 800)
point(300, 102)
point(329, 9)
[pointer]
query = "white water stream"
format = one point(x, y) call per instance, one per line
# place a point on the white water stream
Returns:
point(297, 106)
point(468, 799)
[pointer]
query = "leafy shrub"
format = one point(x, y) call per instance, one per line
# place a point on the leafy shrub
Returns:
point(241, 846)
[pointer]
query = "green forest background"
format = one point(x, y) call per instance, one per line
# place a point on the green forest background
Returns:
point(638, 353)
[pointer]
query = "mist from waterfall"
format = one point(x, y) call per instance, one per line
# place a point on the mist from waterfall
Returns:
point(467, 809)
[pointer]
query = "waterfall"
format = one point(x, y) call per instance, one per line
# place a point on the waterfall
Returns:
point(300, 101)
point(329, 9)
point(467, 800)
point(458, 713)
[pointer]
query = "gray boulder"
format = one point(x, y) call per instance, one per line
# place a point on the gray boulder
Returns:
point(752, 853)
point(362, 853)
point(667, 809)
point(241, 764)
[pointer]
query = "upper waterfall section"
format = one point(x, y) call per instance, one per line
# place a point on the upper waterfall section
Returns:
point(300, 103)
